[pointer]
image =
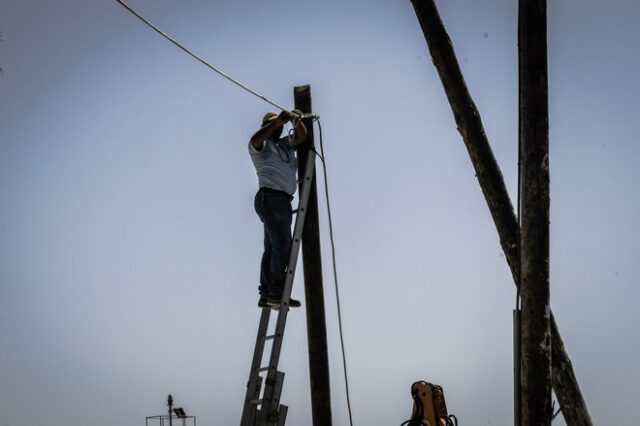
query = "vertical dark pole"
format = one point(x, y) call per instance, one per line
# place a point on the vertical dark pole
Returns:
point(516, 369)
point(313, 289)
point(534, 240)
point(170, 404)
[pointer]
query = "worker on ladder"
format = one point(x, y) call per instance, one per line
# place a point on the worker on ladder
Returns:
point(275, 163)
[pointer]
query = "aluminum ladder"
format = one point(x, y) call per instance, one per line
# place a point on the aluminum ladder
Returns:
point(262, 403)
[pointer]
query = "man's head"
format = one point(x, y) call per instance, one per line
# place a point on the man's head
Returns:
point(268, 118)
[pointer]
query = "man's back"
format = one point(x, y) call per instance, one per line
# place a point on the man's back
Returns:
point(275, 165)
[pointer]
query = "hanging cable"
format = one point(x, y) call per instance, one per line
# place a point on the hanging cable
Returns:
point(517, 313)
point(335, 271)
point(195, 56)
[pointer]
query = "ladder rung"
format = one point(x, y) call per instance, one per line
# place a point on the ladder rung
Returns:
point(255, 402)
point(264, 369)
point(294, 211)
point(269, 337)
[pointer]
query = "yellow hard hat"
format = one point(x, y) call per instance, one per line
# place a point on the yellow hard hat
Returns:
point(270, 116)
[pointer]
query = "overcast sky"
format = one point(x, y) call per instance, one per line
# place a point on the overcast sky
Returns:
point(130, 250)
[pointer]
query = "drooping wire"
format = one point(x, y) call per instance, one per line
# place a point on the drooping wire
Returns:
point(335, 270)
point(518, 310)
point(172, 40)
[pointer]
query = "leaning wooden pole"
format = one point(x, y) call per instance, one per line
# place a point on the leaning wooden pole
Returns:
point(535, 328)
point(565, 384)
point(313, 287)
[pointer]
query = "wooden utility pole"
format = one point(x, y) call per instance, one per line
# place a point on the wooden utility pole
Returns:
point(535, 329)
point(313, 288)
point(565, 383)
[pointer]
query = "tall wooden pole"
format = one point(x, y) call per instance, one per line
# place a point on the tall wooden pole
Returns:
point(313, 288)
point(535, 330)
point(565, 383)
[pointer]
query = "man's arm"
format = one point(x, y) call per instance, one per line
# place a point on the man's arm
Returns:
point(299, 134)
point(265, 132)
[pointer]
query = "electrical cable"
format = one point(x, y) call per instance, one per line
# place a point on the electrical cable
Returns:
point(518, 311)
point(335, 271)
point(186, 50)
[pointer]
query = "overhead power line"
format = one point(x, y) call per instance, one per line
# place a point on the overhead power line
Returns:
point(198, 58)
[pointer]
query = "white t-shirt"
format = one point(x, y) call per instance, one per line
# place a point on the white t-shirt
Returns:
point(276, 165)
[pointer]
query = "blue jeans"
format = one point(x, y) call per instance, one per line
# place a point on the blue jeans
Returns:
point(274, 209)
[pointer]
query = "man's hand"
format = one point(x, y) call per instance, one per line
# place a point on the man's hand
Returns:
point(283, 118)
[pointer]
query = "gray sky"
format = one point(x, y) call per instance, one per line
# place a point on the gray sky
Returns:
point(130, 249)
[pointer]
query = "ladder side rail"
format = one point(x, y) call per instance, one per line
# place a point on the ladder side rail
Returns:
point(267, 403)
point(296, 240)
point(253, 387)
point(273, 417)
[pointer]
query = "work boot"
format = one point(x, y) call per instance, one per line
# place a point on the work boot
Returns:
point(266, 302)
point(275, 302)
point(293, 303)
